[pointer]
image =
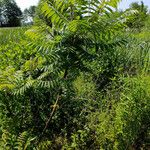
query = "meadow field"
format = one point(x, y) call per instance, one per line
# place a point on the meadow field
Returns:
point(75, 84)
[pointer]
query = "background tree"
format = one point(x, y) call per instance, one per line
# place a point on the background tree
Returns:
point(29, 14)
point(10, 13)
point(2, 16)
point(138, 19)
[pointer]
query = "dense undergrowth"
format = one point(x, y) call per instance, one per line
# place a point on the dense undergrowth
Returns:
point(75, 80)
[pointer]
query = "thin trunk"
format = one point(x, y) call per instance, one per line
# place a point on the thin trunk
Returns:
point(55, 105)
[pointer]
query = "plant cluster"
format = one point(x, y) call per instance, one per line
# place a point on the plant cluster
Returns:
point(77, 79)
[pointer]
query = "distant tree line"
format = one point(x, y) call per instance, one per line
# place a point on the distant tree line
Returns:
point(28, 15)
point(12, 16)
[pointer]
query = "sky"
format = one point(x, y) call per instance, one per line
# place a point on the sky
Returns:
point(26, 3)
point(123, 5)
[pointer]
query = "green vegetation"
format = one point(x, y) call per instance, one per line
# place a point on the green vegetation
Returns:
point(137, 20)
point(78, 79)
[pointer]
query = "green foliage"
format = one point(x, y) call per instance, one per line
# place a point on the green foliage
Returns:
point(137, 20)
point(122, 123)
point(75, 80)
point(12, 142)
point(14, 50)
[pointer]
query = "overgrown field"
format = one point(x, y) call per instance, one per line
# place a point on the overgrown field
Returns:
point(75, 84)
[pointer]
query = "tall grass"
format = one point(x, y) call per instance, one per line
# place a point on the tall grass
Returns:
point(8, 35)
point(13, 46)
